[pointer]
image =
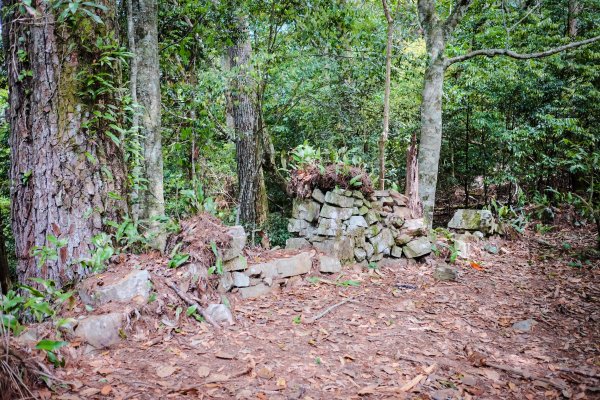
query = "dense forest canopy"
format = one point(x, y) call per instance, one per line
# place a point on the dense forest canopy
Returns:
point(226, 98)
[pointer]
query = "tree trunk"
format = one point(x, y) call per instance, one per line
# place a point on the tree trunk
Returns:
point(4, 271)
point(431, 135)
point(134, 164)
point(243, 110)
point(572, 23)
point(145, 15)
point(67, 176)
point(412, 179)
point(386, 104)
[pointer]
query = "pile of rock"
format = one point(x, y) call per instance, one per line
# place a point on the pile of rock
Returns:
point(468, 226)
point(346, 225)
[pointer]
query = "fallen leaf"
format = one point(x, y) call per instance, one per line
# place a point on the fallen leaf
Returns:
point(412, 383)
point(165, 370)
point(476, 266)
point(281, 383)
point(106, 389)
point(203, 371)
point(89, 392)
point(265, 373)
point(367, 390)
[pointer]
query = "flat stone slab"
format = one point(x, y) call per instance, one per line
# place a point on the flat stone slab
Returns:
point(307, 210)
point(101, 330)
point(133, 287)
point(237, 264)
point(332, 212)
point(297, 243)
point(338, 199)
point(472, 220)
point(255, 291)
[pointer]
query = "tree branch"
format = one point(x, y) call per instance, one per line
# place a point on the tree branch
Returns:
point(387, 12)
point(457, 14)
point(518, 56)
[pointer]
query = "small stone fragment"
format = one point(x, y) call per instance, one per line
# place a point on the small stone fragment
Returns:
point(255, 291)
point(220, 313)
point(237, 244)
point(100, 330)
point(318, 195)
point(525, 325)
point(240, 279)
point(417, 248)
point(445, 273)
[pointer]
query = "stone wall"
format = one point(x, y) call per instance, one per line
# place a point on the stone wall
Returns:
point(345, 224)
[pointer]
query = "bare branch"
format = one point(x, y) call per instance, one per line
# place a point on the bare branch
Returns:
point(519, 56)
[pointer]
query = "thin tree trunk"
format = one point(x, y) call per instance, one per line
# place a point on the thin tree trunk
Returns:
point(572, 22)
point(386, 96)
point(66, 178)
point(135, 120)
point(145, 14)
point(467, 140)
point(412, 179)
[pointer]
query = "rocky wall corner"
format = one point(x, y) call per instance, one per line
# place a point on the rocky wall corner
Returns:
point(346, 225)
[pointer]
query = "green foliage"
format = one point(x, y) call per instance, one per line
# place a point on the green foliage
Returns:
point(218, 267)
point(50, 347)
point(276, 229)
point(176, 258)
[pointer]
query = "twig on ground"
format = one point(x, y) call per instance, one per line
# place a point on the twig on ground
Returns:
point(329, 309)
point(191, 302)
point(579, 372)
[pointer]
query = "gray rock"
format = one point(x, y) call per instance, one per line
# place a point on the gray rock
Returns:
point(134, 286)
point(414, 227)
point(340, 247)
point(360, 254)
point(318, 195)
point(338, 213)
point(263, 270)
point(369, 249)
point(383, 242)
point(297, 225)
point(225, 282)
point(329, 227)
point(399, 198)
point(397, 251)
point(100, 330)
point(237, 264)
point(359, 238)
point(29, 338)
point(357, 221)
point(297, 243)
point(376, 257)
point(417, 248)
point(338, 199)
point(462, 248)
point(402, 212)
point(371, 217)
point(403, 238)
point(525, 325)
point(220, 313)
point(296, 265)
point(237, 244)
point(472, 220)
point(358, 203)
point(363, 210)
point(255, 291)
point(478, 234)
point(358, 194)
point(381, 193)
point(306, 210)
point(373, 231)
point(240, 279)
point(445, 273)
point(329, 264)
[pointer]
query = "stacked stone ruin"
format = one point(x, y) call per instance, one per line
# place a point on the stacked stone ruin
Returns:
point(346, 225)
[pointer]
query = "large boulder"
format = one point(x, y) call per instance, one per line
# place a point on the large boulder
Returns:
point(133, 287)
point(472, 220)
point(297, 225)
point(307, 210)
point(414, 227)
point(328, 264)
point(329, 227)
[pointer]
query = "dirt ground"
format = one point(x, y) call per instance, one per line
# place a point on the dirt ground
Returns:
point(399, 333)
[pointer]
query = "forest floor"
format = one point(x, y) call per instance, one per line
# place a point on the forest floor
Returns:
point(398, 334)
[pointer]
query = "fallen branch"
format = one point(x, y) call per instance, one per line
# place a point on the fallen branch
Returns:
point(328, 310)
point(191, 302)
point(579, 372)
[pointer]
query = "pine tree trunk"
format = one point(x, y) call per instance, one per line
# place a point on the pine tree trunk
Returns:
point(66, 179)
point(145, 16)
point(243, 111)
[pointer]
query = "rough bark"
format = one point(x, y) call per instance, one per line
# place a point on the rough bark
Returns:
point(572, 21)
point(243, 111)
point(61, 172)
point(135, 120)
point(412, 179)
point(145, 16)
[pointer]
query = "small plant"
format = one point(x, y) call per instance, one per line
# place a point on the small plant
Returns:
point(103, 252)
point(192, 311)
point(218, 267)
point(49, 253)
point(297, 319)
point(51, 347)
point(177, 259)
point(304, 155)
